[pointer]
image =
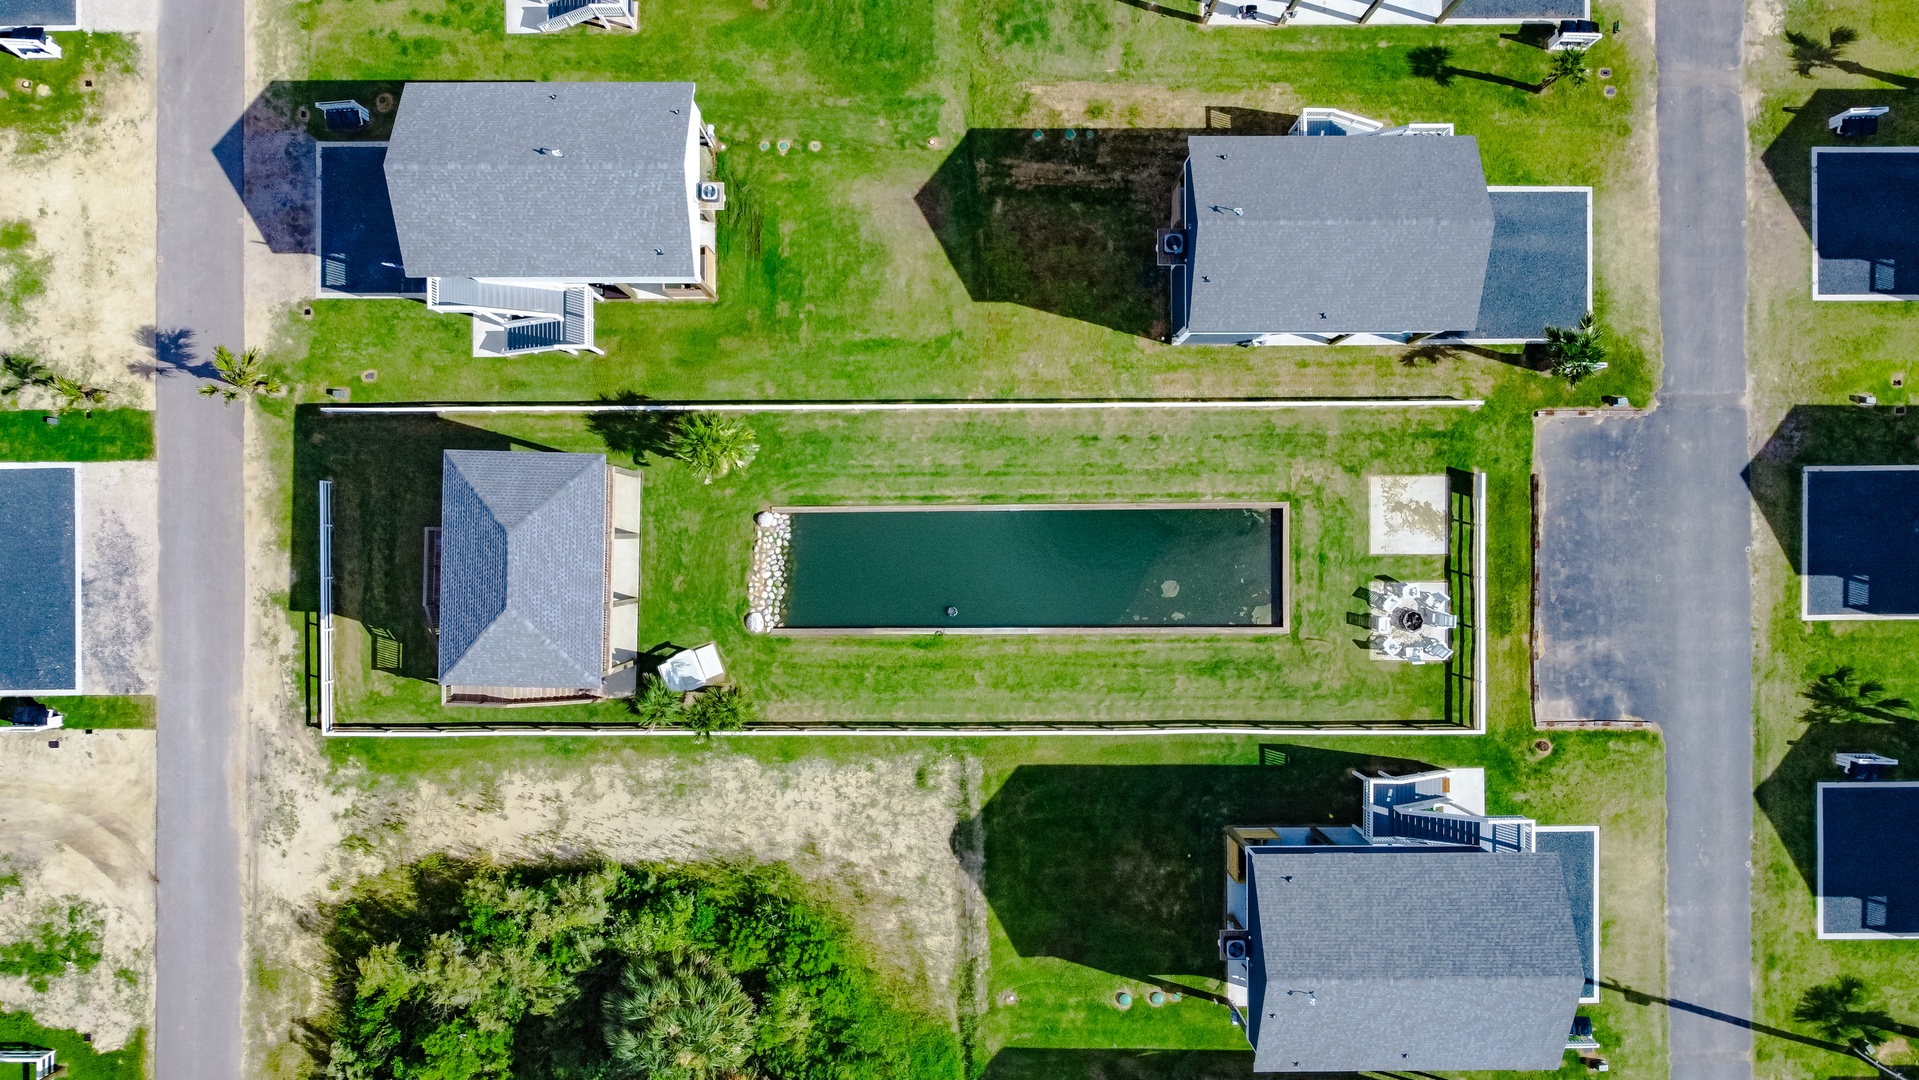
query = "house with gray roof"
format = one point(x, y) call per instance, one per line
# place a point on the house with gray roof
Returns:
point(1278, 13)
point(27, 26)
point(524, 205)
point(1346, 231)
point(1430, 936)
point(537, 597)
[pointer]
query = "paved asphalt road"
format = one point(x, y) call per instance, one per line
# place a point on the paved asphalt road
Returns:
point(1644, 592)
point(202, 59)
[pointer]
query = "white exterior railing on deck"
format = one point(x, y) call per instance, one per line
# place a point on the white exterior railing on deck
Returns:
point(326, 607)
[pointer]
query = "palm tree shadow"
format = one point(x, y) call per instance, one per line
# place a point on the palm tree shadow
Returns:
point(1435, 62)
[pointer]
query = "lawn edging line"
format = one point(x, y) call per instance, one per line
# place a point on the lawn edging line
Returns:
point(942, 405)
point(1025, 730)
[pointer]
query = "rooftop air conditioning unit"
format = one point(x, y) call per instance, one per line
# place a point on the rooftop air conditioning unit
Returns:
point(1170, 245)
point(1235, 944)
point(712, 195)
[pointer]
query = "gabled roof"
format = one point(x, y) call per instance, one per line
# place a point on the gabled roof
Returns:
point(475, 196)
point(1402, 958)
point(1350, 234)
point(522, 569)
point(42, 13)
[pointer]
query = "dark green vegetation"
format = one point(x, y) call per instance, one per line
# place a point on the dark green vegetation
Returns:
point(77, 1057)
point(697, 544)
point(932, 246)
point(68, 935)
point(1806, 358)
point(38, 119)
point(454, 971)
point(106, 435)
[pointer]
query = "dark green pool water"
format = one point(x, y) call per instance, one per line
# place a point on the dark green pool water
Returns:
point(1035, 568)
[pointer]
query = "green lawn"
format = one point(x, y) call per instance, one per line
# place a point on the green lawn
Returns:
point(931, 247)
point(107, 435)
point(1103, 868)
point(697, 540)
point(100, 712)
point(38, 118)
point(77, 1058)
point(1806, 358)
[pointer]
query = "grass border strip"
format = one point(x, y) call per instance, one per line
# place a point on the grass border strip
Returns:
point(983, 405)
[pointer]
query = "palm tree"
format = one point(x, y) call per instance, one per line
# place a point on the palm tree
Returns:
point(1809, 52)
point(677, 1020)
point(720, 708)
point(244, 375)
point(1840, 1011)
point(714, 445)
point(655, 704)
point(78, 394)
point(1433, 62)
point(1838, 697)
point(24, 371)
point(1573, 354)
point(1568, 65)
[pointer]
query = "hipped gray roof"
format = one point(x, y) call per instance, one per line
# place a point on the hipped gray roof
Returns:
point(474, 196)
point(1410, 959)
point(1337, 234)
point(40, 13)
point(522, 569)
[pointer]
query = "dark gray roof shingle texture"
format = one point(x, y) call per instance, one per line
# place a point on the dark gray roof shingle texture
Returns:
point(1868, 210)
point(359, 249)
point(1409, 959)
point(1536, 273)
point(474, 197)
point(1578, 851)
point(1862, 541)
point(1869, 866)
point(1337, 234)
point(39, 12)
point(522, 569)
point(39, 630)
point(1516, 10)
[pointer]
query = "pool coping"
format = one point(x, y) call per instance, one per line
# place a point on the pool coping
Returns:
point(1283, 611)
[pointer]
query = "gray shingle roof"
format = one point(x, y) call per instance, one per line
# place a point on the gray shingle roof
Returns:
point(1337, 234)
point(474, 197)
point(522, 569)
point(1409, 959)
point(39, 12)
point(39, 628)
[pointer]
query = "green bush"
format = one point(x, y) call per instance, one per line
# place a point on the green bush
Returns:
point(453, 969)
point(69, 935)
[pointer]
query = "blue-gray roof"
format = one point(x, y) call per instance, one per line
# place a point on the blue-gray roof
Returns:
point(1867, 209)
point(1536, 273)
point(1578, 851)
point(41, 13)
point(359, 247)
point(1869, 858)
point(1403, 959)
point(523, 569)
point(39, 626)
point(1386, 234)
point(1861, 552)
point(478, 190)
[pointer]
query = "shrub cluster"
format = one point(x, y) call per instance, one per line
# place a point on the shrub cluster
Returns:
point(456, 970)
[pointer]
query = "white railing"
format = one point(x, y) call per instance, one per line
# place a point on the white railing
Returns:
point(326, 607)
point(1480, 526)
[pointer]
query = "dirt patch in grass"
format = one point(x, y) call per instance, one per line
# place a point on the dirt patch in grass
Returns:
point(78, 829)
point(76, 245)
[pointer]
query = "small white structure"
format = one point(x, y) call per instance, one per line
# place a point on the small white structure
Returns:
point(691, 669)
point(344, 115)
point(1858, 122)
point(26, 26)
point(1408, 514)
point(1574, 34)
point(38, 1059)
point(1272, 13)
point(30, 715)
point(543, 17)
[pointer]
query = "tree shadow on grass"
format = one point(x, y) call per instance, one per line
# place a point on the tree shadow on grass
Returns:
point(1822, 435)
point(1788, 158)
point(634, 435)
point(1435, 62)
point(1020, 1063)
point(1122, 867)
point(1061, 225)
point(386, 493)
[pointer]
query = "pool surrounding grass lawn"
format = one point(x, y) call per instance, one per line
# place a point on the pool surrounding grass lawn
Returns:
point(1198, 568)
point(697, 542)
point(1806, 358)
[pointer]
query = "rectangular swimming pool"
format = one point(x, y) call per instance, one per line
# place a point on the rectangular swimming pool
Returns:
point(1129, 568)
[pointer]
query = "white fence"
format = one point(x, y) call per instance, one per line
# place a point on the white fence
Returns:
point(326, 607)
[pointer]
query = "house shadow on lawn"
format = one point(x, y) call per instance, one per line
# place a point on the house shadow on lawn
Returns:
point(270, 155)
point(1122, 867)
point(1788, 158)
point(1787, 796)
point(1062, 225)
point(386, 493)
point(1823, 435)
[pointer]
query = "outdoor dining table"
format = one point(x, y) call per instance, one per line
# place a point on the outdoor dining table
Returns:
point(1410, 620)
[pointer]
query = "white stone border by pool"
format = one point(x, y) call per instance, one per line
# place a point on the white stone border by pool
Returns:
point(1282, 612)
